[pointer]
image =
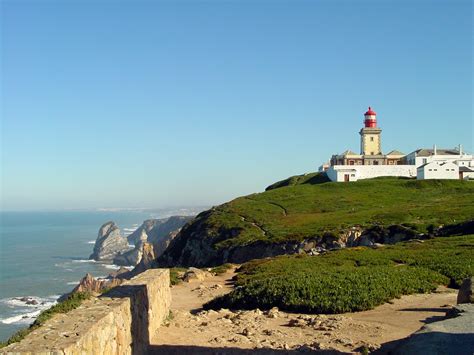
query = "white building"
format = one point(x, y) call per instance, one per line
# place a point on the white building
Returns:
point(324, 167)
point(371, 162)
point(438, 170)
point(347, 173)
point(466, 173)
point(422, 156)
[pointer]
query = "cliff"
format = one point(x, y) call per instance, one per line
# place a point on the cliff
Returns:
point(307, 214)
point(156, 232)
point(109, 243)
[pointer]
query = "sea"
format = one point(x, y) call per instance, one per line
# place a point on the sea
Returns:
point(44, 255)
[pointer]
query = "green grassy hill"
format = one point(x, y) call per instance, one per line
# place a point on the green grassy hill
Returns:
point(308, 206)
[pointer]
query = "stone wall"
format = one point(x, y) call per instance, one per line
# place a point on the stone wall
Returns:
point(120, 322)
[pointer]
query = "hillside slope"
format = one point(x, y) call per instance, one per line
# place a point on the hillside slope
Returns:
point(310, 212)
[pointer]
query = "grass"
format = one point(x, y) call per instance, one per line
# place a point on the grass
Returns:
point(352, 279)
point(175, 275)
point(221, 269)
point(307, 206)
point(71, 302)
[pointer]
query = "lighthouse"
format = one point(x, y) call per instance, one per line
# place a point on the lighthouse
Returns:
point(370, 141)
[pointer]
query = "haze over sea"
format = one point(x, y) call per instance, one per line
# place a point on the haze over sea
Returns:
point(45, 254)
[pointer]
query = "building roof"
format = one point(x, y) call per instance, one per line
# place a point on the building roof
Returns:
point(370, 112)
point(395, 152)
point(429, 152)
point(465, 169)
point(349, 152)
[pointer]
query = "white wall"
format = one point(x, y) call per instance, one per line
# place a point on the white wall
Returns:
point(468, 176)
point(337, 172)
point(461, 160)
point(434, 170)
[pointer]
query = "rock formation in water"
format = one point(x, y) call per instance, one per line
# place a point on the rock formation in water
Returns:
point(109, 243)
point(154, 230)
point(147, 260)
point(130, 257)
point(158, 233)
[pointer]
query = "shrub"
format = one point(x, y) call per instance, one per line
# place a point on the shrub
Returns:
point(353, 279)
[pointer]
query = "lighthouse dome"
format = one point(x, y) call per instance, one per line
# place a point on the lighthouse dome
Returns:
point(370, 112)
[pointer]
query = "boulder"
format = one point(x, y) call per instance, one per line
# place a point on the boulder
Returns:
point(109, 243)
point(465, 294)
point(195, 274)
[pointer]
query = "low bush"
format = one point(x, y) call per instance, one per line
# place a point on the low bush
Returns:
point(176, 275)
point(221, 269)
point(353, 279)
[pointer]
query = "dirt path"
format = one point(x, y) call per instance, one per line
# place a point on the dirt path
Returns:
point(193, 331)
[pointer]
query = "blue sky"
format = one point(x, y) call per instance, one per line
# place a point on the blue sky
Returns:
point(168, 103)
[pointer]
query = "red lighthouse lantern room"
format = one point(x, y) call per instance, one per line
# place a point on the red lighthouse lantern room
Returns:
point(370, 118)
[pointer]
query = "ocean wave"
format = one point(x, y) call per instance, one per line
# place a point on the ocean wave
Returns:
point(112, 267)
point(129, 229)
point(39, 304)
point(84, 261)
point(116, 267)
point(91, 242)
point(72, 283)
point(29, 301)
point(25, 318)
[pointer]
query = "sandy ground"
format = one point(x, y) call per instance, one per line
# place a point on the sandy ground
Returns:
point(194, 331)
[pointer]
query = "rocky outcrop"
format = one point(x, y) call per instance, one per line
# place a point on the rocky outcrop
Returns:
point(154, 230)
point(466, 294)
point(196, 246)
point(131, 257)
point(141, 234)
point(93, 285)
point(109, 243)
point(195, 274)
point(157, 232)
point(148, 259)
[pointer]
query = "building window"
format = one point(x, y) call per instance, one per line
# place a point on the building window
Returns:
point(371, 139)
point(376, 163)
point(353, 175)
point(351, 162)
point(425, 160)
point(435, 169)
point(430, 169)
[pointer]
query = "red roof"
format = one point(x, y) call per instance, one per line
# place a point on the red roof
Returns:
point(370, 112)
